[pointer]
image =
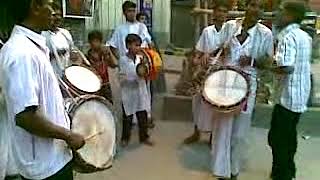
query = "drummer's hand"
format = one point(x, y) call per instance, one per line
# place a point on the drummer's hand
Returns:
point(75, 141)
point(205, 59)
point(245, 61)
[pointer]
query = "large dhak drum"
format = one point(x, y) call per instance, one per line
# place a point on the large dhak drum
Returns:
point(93, 117)
point(81, 80)
point(226, 88)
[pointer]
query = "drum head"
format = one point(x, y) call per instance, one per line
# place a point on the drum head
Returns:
point(93, 118)
point(83, 79)
point(225, 88)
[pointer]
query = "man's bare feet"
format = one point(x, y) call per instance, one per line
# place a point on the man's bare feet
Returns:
point(193, 138)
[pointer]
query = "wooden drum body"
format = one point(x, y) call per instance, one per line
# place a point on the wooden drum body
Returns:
point(94, 118)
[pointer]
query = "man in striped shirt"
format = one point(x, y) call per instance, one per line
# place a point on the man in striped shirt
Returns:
point(293, 56)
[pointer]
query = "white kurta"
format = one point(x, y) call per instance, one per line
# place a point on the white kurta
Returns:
point(59, 41)
point(7, 165)
point(209, 41)
point(121, 32)
point(28, 80)
point(119, 36)
point(134, 90)
point(230, 132)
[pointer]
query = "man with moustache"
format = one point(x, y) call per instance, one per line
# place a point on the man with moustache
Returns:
point(250, 47)
point(40, 126)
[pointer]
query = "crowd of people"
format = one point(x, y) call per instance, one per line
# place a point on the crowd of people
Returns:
point(39, 141)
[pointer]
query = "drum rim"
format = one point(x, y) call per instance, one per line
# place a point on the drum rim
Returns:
point(232, 107)
point(80, 165)
point(73, 87)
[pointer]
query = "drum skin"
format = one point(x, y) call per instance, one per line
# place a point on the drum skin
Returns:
point(86, 117)
point(221, 107)
point(71, 85)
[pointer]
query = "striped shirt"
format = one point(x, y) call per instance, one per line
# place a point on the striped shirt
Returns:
point(294, 50)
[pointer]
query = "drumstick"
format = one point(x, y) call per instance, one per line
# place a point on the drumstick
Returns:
point(93, 135)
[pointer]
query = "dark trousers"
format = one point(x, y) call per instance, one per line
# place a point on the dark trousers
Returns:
point(65, 173)
point(282, 139)
point(142, 118)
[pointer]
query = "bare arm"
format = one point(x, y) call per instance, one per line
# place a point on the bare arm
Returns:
point(33, 121)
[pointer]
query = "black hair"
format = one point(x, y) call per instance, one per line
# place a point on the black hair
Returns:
point(140, 14)
point(95, 34)
point(295, 8)
point(13, 12)
point(127, 5)
point(131, 38)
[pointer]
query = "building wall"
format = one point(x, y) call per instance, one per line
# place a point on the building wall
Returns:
point(109, 16)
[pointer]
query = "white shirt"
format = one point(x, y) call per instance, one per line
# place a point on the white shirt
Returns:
point(28, 80)
point(259, 44)
point(121, 32)
point(134, 89)
point(294, 49)
point(210, 39)
point(59, 41)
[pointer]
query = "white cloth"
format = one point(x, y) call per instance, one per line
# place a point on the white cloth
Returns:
point(294, 50)
point(59, 41)
point(119, 36)
point(229, 131)
point(7, 165)
point(28, 80)
point(202, 113)
point(209, 41)
point(134, 90)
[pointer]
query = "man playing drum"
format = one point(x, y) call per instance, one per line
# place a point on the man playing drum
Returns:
point(59, 41)
point(40, 126)
point(211, 39)
point(251, 44)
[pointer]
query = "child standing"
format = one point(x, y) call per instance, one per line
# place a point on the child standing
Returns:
point(134, 90)
point(100, 58)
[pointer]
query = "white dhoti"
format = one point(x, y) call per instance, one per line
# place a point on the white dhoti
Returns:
point(202, 114)
point(230, 135)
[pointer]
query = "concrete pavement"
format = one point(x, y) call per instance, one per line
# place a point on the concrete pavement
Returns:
point(170, 160)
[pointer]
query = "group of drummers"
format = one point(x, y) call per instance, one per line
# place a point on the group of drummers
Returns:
point(231, 55)
point(61, 104)
point(43, 74)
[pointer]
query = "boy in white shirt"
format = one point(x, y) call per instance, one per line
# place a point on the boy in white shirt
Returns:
point(134, 92)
